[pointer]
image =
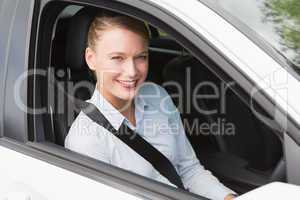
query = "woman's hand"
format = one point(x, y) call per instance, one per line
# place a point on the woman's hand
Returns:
point(229, 197)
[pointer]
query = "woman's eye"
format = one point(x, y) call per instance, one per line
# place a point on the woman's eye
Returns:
point(144, 57)
point(117, 58)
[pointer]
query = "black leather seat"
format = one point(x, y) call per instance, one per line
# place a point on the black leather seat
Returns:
point(73, 79)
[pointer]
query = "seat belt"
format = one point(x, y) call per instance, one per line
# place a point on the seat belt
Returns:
point(161, 163)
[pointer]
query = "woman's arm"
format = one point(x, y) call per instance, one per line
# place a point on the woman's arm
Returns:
point(88, 138)
point(195, 178)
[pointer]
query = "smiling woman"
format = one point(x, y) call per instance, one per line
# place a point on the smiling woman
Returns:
point(117, 52)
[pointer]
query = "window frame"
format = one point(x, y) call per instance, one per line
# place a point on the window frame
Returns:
point(16, 19)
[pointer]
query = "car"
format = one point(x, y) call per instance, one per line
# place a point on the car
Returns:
point(235, 85)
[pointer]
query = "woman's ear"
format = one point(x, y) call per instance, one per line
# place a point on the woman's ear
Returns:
point(90, 58)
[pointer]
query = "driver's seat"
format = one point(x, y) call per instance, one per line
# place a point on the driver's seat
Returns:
point(74, 78)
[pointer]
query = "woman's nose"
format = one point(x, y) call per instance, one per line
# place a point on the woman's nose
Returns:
point(130, 68)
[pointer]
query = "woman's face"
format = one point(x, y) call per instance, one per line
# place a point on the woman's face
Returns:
point(120, 60)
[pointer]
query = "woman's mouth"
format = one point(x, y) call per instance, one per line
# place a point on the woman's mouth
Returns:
point(128, 84)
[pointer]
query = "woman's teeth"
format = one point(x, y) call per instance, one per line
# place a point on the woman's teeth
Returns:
point(128, 84)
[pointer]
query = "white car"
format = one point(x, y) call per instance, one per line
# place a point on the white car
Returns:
point(240, 59)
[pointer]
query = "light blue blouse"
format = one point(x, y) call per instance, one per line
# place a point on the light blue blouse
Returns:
point(159, 123)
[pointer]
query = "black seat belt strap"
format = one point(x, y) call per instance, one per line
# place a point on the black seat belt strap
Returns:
point(161, 163)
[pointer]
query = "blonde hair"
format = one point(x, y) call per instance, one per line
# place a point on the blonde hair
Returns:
point(109, 19)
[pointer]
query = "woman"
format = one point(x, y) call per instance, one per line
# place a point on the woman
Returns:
point(117, 53)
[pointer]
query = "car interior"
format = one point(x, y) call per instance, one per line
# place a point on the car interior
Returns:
point(251, 157)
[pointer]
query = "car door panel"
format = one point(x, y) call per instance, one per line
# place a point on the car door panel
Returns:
point(37, 178)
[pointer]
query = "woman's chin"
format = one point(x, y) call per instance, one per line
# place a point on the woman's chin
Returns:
point(126, 95)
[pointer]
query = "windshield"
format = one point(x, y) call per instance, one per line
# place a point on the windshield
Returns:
point(276, 21)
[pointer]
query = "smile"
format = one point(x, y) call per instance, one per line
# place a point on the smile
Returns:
point(128, 83)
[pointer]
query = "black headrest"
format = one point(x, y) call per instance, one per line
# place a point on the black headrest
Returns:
point(77, 38)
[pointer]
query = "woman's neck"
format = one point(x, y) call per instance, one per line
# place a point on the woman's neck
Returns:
point(125, 107)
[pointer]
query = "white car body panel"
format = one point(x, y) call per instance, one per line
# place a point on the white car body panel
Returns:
point(274, 191)
point(39, 180)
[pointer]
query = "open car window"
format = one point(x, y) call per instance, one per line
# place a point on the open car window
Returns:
point(218, 121)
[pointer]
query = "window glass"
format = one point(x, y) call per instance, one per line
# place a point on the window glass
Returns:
point(277, 21)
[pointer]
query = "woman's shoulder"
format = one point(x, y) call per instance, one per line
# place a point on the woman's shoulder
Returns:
point(81, 122)
point(87, 138)
point(84, 129)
